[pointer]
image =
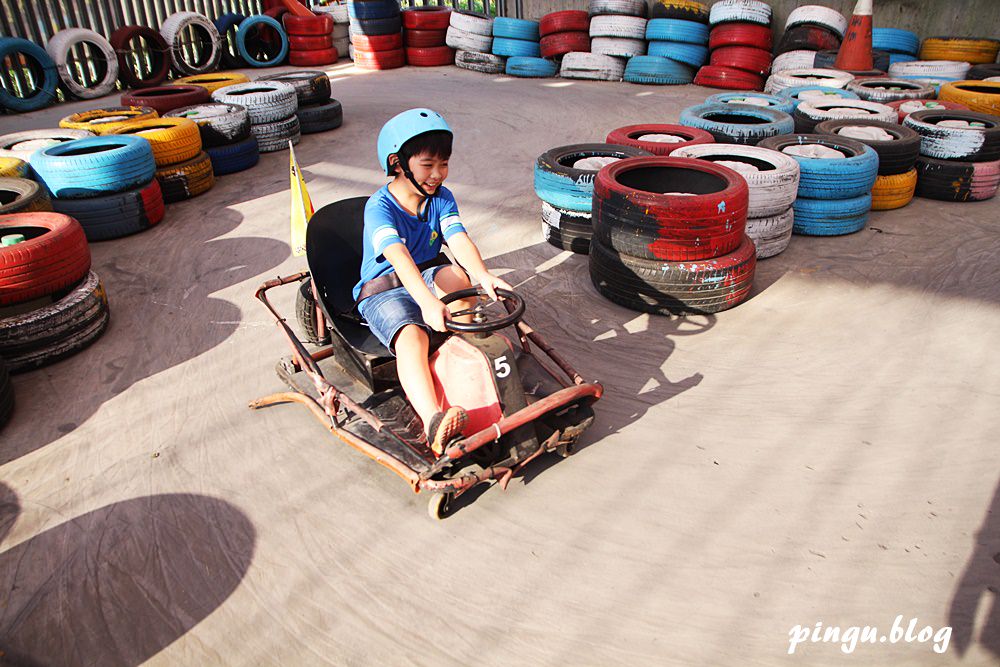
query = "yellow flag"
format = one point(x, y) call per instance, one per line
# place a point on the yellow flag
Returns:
point(302, 208)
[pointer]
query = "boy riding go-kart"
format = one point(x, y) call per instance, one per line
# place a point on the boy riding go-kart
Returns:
point(416, 375)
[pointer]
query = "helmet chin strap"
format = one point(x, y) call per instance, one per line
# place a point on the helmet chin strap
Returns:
point(404, 164)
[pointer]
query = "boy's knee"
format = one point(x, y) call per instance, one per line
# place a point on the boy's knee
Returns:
point(409, 336)
point(451, 279)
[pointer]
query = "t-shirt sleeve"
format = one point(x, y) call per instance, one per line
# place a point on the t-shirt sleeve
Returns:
point(380, 229)
point(451, 224)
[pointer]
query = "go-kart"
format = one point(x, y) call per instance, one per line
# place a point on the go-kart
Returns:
point(519, 407)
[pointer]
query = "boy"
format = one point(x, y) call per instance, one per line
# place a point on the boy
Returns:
point(400, 288)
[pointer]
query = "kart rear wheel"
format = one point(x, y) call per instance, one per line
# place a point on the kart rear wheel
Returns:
point(438, 505)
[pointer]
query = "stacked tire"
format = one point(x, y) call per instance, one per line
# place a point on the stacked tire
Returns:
point(959, 154)
point(271, 106)
point(341, 26)
point(669, 236)
point(22, 195)
point(317, 112)
point(905, 107)
point(901, 45)
point(981, 96)
point(934, 72)
point(793, 78)
point(225, 136)
point(618, 28)
point(376, 34)
point(810, 113)
point(564, 32)
point(897, 147)
point(166, 98)
point(60, 305)
point(518, 38)
point(740, 40)
point(564, 181)
point(796, 95)
point(108, 183)
point(676, 49)
point(808, 30)
point(773, 179)
point(24, 145)
point(884, 90)
point(658, 139)
point(976, 51)
point(836, 176)
point(737, 124)
point(310, 40)
point(471, 35)
point(182, 168)
point(425, 31)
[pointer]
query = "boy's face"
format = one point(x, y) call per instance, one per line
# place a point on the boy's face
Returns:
point(429, 171)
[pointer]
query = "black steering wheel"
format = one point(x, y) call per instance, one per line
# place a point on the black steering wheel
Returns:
point(482, 322)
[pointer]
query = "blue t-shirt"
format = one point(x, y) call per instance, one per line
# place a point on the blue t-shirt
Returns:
point(386, 222)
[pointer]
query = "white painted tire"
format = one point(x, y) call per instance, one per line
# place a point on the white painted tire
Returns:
point(337, 12)
point(274, 136)
point(771, 190)
point(58, 49)
point(226, 121)
point(265, 101)
point(623, 48)
point(486, 63)
point(829, 78)
point(22, 145)
point(819, 110)
point(474, 23)
point(595, 66)
point(343, 45)
point(743, 11)
point(772, 234)
point(819, 15)
point(884, 92)
point(622, 27)
point(948, 143)
point(464, 40)
point(950, 69)
point(171, 31)
point(341, 31)
point(800, 59)
point(618, 7)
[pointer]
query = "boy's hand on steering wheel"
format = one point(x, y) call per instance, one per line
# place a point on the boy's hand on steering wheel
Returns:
point(490, 283)
point(435, 313)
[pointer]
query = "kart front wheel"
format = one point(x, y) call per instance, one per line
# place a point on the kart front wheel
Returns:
point(438, 505)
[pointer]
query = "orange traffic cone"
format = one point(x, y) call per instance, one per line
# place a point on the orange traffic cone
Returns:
point(856, 51)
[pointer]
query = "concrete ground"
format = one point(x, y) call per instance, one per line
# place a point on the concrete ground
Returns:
point(824, 453)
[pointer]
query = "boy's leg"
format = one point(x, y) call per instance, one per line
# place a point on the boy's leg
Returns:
point(450, 279)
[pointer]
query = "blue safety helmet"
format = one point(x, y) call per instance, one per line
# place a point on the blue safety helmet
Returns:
point(403, 127)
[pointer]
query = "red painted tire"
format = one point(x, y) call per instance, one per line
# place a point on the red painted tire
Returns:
point(561, 43)
point(716, 76)
point(159, 52)
point(571, 20)
point(426, 18)
point(632, 215)
point(165, 98)
point(424, 38)
point(307, 25)
point(939, 104)
point(54, 257)
point(432, 56)
point(745, 58)
point(809, 38)
point(628, 136)
point(379, 59)
point(740, 34)
point(391, 42)
point(309, 43)
point(314, 57)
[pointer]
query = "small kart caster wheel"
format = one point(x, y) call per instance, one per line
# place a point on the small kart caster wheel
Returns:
point(565, 451)
point(438, 505)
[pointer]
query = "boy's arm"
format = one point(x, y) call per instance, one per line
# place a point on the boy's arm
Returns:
point(468, 256)
point(432, 308)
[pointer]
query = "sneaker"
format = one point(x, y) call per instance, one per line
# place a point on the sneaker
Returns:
point(444, 426)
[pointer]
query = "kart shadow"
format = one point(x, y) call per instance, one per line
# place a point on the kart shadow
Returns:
point(117, 585)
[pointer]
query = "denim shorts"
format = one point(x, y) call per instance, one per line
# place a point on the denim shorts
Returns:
point(388, 312)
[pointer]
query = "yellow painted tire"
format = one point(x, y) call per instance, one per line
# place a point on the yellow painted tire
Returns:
point(107, 120)
point(975, 51)
point(23, 195)
point(187, 179)
point(212, 81)
point(981, 96)
point(173, 140)
point(11, 167)
point(891, 192)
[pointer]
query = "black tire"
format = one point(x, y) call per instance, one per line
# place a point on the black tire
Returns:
point(305, 313)
point(115, 215)
point(568, 230)
point(320, 117)
point(826, 58)
point(311, 86)
point(55, 331)
point(895, 156)
point(980, 72)
point(663, 288)
point(218, 124)
point(807, 38)
point(385, 26)
point(228, 25)
point(956, 181)
point(956, 143)
point(20, 195)
point(235, 157)
point(6, 394)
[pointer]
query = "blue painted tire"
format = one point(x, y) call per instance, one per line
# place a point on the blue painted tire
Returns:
point(819, 178)
point(723, 121)
point(895, 40)
point(244, 31)
point(373, 9)
point(831, 217)
point(235, 157)
point(690, 54)
point(527, 67)
point(657, 71)
point(505, 46)
point(900, 58)
point(793, 93)
point(773, 101)
point(563, 186)
point(44, 65)
point(515, 29)
point(224, 24)
point(94, 166)
point(675, 30)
